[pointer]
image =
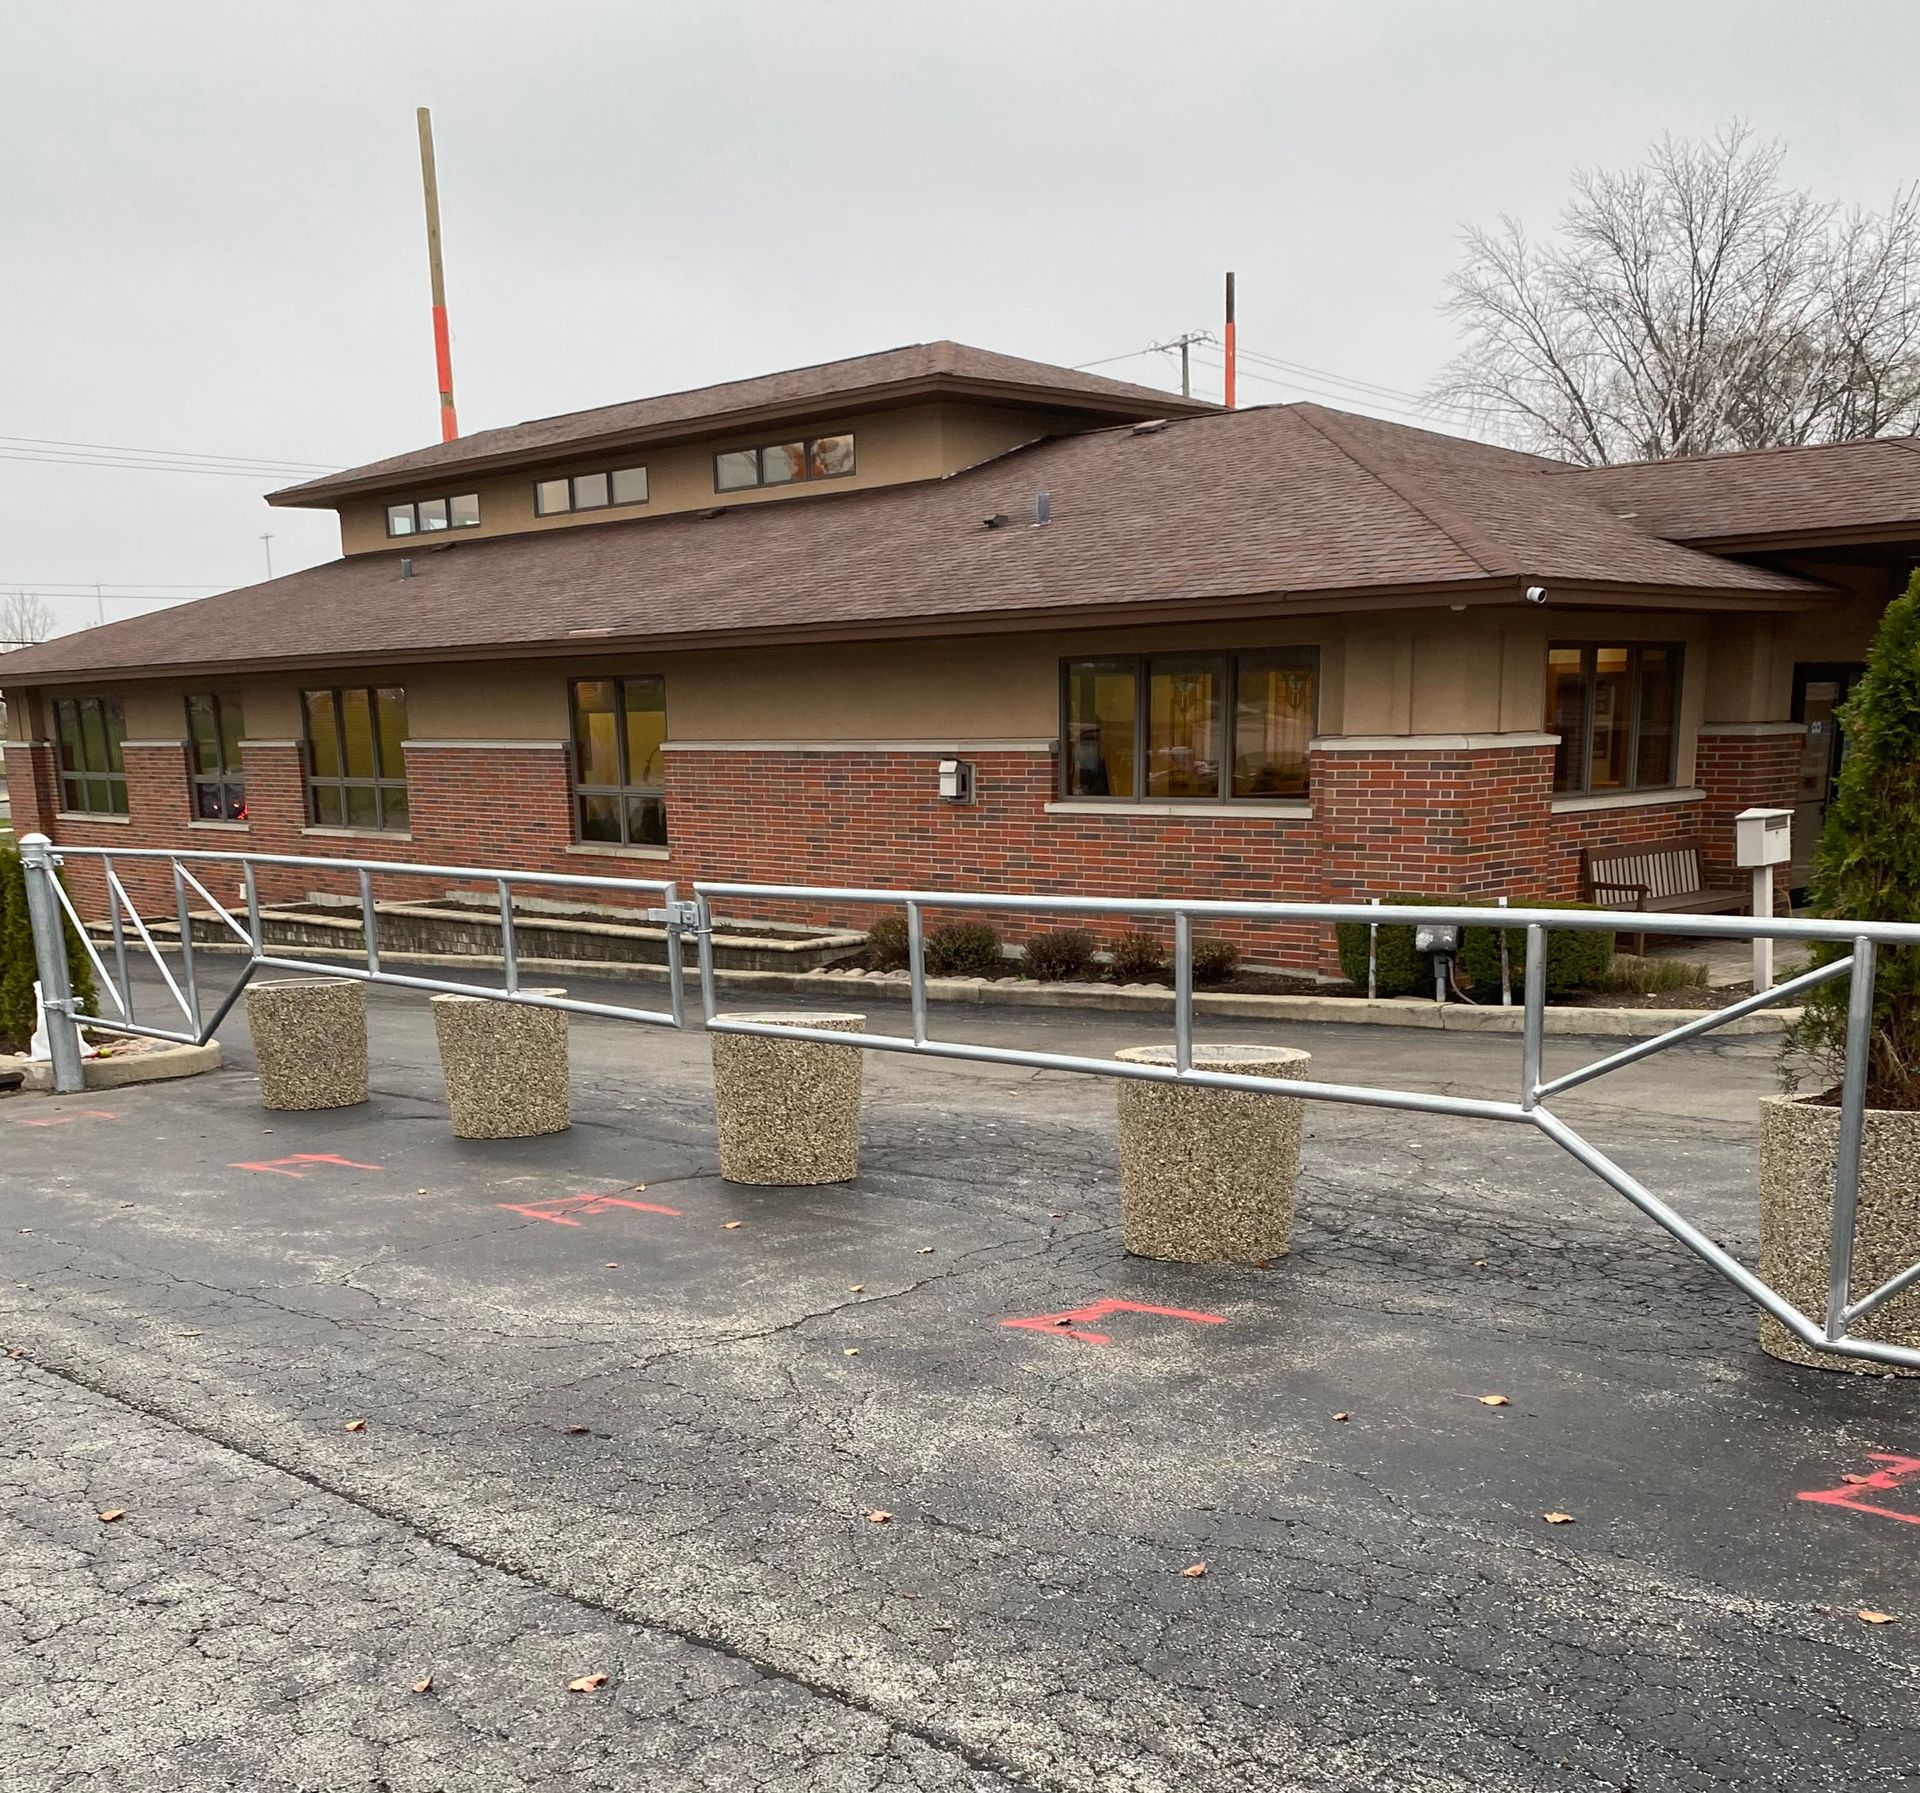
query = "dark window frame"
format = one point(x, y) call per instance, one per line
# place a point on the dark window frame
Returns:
point(626, 789)
point(383, 784)
point(225, 784)
point(572, 480)
point(760, 450)
point(1227, 660)
point(1582, 760)
point(412, 506)
point(75, 797)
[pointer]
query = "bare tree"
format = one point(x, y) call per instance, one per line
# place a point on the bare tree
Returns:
point(1691, 305)
point(24, 620)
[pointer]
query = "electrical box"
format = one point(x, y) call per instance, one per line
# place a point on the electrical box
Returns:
point(1763, 837)
point(956, 781)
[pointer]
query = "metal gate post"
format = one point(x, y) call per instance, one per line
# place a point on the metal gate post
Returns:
point(37, 861)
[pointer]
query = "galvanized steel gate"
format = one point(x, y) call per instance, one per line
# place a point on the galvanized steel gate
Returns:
point(48, 901)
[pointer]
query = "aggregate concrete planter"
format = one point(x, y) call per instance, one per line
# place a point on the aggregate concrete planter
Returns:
point(788, 1110)
point(505, 1066)
point(1798, 1144)
point(309, 1041)
point(1208, 1176)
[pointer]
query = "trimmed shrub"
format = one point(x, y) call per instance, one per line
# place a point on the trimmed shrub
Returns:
point(1060, 953)
point(1398, 969)
point(1138, 957)
point(964, 949)
point(887, 943)
point(17, 967)
point(1214, 960)
point(1575, 961)
point(1868, 866)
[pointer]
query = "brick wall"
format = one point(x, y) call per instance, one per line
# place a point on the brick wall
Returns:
point(1740, 770)
point(1468, 819)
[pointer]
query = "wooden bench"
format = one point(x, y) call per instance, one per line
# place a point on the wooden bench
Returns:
point(1662, 878)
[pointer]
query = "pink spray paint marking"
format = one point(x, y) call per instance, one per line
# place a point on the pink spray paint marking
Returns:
point(1853, 1495)
point(72, 1114)
point(283, 1167)
point(1062, 1324)
point(568, 1206)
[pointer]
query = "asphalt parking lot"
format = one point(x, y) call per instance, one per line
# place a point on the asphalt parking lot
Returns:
point(608, 1433)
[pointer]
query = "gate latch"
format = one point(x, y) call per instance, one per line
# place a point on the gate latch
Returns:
point(677, 915)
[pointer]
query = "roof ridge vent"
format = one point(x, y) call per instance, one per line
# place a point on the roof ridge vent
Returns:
point(1150, 426)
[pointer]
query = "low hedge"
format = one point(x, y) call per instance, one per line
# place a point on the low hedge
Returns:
point(1059, 953)
point(1575, 961)
point(964, 949)
point(18, 969)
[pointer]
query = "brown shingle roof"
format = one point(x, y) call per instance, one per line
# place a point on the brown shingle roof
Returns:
point(940, 367)
point(1282, 502)
point(1766, 494)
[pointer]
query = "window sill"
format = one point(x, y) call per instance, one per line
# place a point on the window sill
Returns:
point(1574, 806)
point(356, 833)
point(1114, 806)
point(223, 827)
point(87, 815)
point(595, 849)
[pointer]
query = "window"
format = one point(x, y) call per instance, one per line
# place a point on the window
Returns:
point(1208, 727)
point(1616, 709)
point(356, 769)
point(214, 732)
point(430, 514)
point(619, 726)
point(93, 776)
point(783, 463)
point(590, 491)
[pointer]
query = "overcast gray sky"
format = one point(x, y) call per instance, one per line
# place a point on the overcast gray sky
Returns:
point(212, 234)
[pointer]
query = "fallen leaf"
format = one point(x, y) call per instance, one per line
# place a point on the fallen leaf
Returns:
point(1557, 1518)
point(587, 1684)
point(1195, 1571)
point(727, 1226)
point(613, 1266)
point(1871, 1617)
point(424, 1686)
point(858, 1288)
point(356, 1425)
point(1495, 1401)
point(1479, 1263)
point(1343, 1416)
point(419, 1192)
point(1067, 1321)
point(851, 1351)
point(579, 1431)
point(1056, 1217)
point(638, 1188)
point(925, 1249)
point(1859, 1481)
point(879, 1516)
point(191, 1332)
point(111, 1514)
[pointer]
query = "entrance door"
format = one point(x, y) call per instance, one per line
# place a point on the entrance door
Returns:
point(1820, 687)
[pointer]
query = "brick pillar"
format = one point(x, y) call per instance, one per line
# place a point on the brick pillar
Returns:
point(1740, 765)
point(1454, 815)
point(32, 787)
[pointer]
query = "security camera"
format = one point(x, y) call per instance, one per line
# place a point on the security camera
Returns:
point(1536, 594)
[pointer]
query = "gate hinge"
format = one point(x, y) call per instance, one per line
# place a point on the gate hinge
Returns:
point(677, 915)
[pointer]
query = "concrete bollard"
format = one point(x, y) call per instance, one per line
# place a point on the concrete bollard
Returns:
point(788, 1110)
point(309, 1041)
point(1208, 1176)
point(505, 1065)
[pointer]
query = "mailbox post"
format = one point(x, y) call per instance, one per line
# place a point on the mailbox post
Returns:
point(1762, 839)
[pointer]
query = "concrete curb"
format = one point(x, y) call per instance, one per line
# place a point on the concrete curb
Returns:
point(120, 1073)
point(1352, 1011)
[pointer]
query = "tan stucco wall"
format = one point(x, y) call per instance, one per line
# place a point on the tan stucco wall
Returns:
point(890, 447)
point(1417, 672)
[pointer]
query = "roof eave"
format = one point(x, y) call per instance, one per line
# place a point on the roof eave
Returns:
point(324, 493)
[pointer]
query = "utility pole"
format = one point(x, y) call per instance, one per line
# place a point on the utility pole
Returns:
point(442, 345)
point(266, 541)
point(1228, 347)
point(100, 605)
point(1183, 343)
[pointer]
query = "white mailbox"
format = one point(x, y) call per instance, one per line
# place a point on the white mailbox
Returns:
point(1763, 837)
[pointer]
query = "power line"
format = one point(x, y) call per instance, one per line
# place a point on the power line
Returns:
point(78, 460)
point(170, 454)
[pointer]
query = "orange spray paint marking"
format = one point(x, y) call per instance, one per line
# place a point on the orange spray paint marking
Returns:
point(1062, 1324)
point(1853, 1494)
point(72, 1114)
point(282, 1167)
point(570, 1205)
